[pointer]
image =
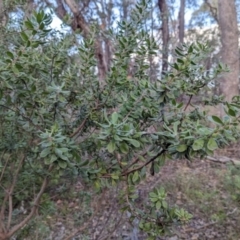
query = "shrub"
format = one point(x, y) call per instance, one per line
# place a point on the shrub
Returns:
point(58, 118)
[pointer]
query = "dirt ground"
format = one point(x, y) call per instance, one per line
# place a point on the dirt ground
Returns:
point(209, 189)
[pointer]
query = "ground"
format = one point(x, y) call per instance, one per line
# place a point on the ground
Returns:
point(209, 189)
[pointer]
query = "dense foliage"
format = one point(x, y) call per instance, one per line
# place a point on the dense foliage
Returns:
point(58, 119)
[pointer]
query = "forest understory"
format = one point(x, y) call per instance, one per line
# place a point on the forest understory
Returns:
point(209, 189)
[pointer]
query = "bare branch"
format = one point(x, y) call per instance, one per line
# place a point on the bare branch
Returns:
point(33, 209)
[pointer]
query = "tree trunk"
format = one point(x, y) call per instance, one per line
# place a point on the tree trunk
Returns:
point(79, 22)
point(181, 20)
point(165, 34)
point(229, 52)
point(3, 15)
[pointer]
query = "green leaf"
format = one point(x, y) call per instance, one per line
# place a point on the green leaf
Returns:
point(153, 195)
point(154, 199)
point(10, 54)
point(212, 144)
point(178, 51)
point(39, 16)
point(231, 112)
point(84, 163)
point(45, 152)
point(47, 161)
point(114, 117)
point(28, 24)
point(105, 115)
point(134, 142)
point(41, 26)
point(164, 204)
point(111, 146)
point(158, 205)
point(135, 176)
point(190, 49)
point(62, 164)
point(24, 36)
point(180, 61)
point(63, 149)
point(217, 120)
point(182, 148)
point(198, 144)
point(59, 153)
point(114, 176)
point(53, 158)
point(124, 147)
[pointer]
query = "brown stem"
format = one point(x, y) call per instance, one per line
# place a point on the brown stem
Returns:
point(189, 101)
point(3, 170)
point(79, 128)
point(145, 164)
point(33, 209)
point(136, 160)
point(10, 192)
point(2, 226)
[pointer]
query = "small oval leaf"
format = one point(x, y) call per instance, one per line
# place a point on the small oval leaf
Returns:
point(111, 146)
point(217, 120)
point(198, 144)
point(182, 148)
point(212, 144)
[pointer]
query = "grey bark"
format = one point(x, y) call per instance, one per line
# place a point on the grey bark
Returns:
point(181, 21)
point(165, 33)
point(229, 51)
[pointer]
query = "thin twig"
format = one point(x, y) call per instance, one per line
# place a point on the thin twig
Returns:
point(79, 128)
point(5, 165)
point(136, 160)
point(189, 101)
point(10, 192)
point(145, 164)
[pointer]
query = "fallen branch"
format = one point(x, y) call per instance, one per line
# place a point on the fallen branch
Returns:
point(224, 160)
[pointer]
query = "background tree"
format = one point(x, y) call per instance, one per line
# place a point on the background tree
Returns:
point(229, 39)
point(165, 33)
point(181, 21)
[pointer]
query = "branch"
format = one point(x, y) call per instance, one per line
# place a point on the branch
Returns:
point(34, 207)
point(145, 164)
point(79, 19)
point(213, 10)
point(189, 101)
point(224, 160)
point(79, 128)
point(10, 192)
point(136, 160)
